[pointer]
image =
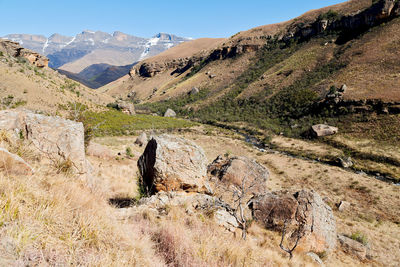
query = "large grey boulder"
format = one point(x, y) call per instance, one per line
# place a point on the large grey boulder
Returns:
point(142, 139)
point(305, 211)
point(13, 164)
point(169, 113)
point(54, 137)
point(171, 163)
point(321, 130)
point(240, 171)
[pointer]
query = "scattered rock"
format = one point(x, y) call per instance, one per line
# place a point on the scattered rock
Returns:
point(13, 164)
point(142, 139)
point(172, 163)
point(54, 137)
point(304, 209)
point(315, 258)
point(194, 91)
point(212, 76)
point(321, 130)
point(343, 206)
point(353, 247)
point(192, 202)
point(346, 162)
point(125, 107)
point(343, 88)
point(131, 95)
point(169, 113)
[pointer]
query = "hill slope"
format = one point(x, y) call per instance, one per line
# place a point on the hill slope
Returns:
point(42, 89)
point(354, 43)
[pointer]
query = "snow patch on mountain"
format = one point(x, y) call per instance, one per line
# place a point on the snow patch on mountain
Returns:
point(46, 44)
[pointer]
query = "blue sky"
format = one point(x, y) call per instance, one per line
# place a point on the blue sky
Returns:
point(196, 19)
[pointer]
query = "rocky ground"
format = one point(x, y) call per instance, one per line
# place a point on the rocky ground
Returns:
point(369, 206)
point(95, 209)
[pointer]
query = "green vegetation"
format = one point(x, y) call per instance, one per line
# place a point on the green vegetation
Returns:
point(330, 15)
point(271, 109)
point(1, 54)
point(128, 152)
point(359, 237)
point(113, 123)
point(69, 85)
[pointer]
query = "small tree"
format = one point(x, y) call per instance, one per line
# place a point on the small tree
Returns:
point(297, 234)
point(242, 197)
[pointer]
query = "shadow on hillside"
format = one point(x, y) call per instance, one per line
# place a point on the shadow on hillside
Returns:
point(122, 202)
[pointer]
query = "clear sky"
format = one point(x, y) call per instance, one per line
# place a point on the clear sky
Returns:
point(207, 18)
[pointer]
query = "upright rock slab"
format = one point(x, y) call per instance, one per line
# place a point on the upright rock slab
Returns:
point(172, 163)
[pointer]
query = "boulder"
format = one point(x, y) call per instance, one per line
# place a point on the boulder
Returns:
point(142, 139)
point(13, 164)
point(169, 113)
point(315, 258)
point(194, 91)
point(343, 206)
point(346, 162)
point(321, 130)
point(125, 107)
point(353, 247)
point(54, 137)
point(303, 210)
point(240, 171)
point(172, 163)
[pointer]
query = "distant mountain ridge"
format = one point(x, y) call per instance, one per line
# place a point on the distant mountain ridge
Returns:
point(74, 54)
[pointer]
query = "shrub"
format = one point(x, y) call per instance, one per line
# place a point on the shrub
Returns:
point(359, 237)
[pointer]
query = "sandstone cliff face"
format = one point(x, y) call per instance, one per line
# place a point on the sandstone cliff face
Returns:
point(15, 50)
point(348, 26)
point(179, 65)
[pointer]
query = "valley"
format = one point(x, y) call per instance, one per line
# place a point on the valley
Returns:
point(277, 146)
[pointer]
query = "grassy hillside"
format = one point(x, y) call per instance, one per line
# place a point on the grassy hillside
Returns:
point(42, 89)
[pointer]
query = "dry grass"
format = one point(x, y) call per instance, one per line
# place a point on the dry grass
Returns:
point(53, 219)
point(43, 89)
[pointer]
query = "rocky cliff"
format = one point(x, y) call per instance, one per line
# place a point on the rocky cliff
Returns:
point(347, 25)
point(15, 50)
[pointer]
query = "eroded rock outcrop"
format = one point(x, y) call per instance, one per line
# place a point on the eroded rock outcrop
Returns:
point(172, 163)
point(54, 137)
point(305, 210)
point(348, 26)
point(15, 50)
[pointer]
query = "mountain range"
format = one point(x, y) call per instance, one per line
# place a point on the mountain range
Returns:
point(72, 55)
